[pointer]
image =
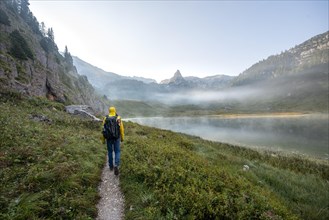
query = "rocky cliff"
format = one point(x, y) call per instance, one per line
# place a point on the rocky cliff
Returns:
point(30, 62)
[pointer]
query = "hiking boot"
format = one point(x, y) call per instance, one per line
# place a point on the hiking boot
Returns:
point(116, 171)
point(111, 168)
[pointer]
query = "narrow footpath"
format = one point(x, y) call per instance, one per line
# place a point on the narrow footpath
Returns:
point(111, 204)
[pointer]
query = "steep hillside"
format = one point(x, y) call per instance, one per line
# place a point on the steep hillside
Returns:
point(309, 55)
point(295, 80)
point(31, 64)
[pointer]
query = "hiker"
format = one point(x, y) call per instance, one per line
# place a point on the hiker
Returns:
point(113, 133)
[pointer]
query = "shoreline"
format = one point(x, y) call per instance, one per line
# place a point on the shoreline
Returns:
point(243, 115)
point(265, 115)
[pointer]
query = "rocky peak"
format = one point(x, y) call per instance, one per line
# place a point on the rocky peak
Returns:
point(176, 79)
point(177, 76)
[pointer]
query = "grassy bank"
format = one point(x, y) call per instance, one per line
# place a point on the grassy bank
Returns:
point(50, 161)
point(51, 164)
point(166, 175)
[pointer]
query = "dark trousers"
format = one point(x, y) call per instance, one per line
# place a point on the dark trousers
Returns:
point(113, 145)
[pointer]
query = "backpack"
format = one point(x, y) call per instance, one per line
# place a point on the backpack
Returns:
point(111, 128)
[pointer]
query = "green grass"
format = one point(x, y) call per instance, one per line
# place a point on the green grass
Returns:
point(165, 175)
point(50, 169)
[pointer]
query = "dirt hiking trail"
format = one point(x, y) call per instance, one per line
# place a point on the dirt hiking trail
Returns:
point(111, 204)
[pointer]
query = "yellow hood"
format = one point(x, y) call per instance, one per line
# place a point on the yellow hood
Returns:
point(112, 111)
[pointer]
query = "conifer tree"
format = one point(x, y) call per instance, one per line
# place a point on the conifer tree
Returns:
point(43, 28)
point(50, 34)
point(24, 8)
point(67, 56)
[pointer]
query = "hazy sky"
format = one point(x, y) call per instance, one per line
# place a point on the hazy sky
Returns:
point(200, 38)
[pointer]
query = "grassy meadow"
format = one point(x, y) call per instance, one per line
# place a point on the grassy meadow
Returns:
point(51, 164)
point(167, 175)
point(50, 161)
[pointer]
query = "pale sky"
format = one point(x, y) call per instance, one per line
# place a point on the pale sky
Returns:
point(153, 39)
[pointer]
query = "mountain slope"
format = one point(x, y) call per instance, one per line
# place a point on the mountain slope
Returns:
point(96, 76)
point(31, 64)
point(308, 55)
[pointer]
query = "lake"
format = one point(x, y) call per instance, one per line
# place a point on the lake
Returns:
point(293, 133)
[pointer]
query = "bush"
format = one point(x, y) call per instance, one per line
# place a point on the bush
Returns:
point(48, 45)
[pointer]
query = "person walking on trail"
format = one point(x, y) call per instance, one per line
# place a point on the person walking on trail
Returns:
point(113, 133)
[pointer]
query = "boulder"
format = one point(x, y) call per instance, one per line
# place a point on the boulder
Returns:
point(82, 110)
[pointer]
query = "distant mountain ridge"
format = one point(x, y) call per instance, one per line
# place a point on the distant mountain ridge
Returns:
point(210, 82)
point(294, 79)
point(116, 86)
point(98, 77)
point(310, 54)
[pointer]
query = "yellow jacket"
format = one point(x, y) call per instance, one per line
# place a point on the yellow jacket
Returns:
point(112, 112)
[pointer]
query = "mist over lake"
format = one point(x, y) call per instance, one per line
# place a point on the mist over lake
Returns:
point(303, 134)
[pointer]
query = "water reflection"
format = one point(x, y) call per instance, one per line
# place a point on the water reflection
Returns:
point(305, 134)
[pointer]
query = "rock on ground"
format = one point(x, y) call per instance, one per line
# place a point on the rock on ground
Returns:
point(82, 110)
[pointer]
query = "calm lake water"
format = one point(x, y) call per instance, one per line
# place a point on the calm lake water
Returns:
point(303, 134)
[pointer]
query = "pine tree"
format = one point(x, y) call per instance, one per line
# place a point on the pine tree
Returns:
point(67, 56)
point(24, 10)
point(50, 34)
point(43, 28)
